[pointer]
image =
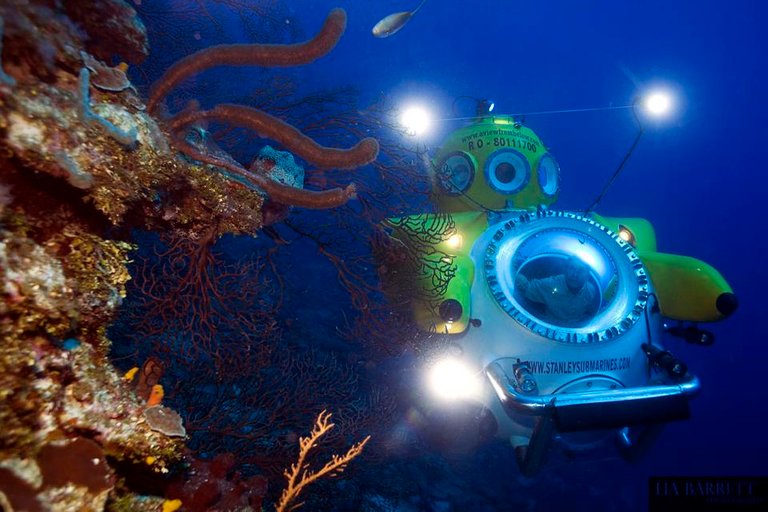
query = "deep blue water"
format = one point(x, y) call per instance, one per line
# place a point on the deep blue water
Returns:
point(698, 176)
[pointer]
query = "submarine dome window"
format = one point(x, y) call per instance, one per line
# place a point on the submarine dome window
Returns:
point(563, 278)
point(549, 175)
point(528, 265)
point(456, 173)
point(543, 288)
point(507, 171)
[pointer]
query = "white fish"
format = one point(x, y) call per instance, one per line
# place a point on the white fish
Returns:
point(394, 22)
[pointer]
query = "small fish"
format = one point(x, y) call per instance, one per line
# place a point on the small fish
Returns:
point(394, 22)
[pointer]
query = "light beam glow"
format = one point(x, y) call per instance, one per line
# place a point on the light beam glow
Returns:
point(657, 104)
point(416, 120)
point(455, 241)
point(451, 379)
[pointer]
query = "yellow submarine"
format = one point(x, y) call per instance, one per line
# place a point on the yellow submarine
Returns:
point(551, 320)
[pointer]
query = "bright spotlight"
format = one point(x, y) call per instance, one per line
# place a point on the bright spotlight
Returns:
point(455, 241)
point(415, 120)
point(657, 104)
point(450, 379)
point(627, 235)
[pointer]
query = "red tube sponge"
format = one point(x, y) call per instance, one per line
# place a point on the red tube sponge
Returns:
point(271, 55)
point(270, 127)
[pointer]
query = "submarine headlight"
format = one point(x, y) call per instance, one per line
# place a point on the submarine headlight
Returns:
point(657, 104)
point(455, 241)
point(416, 120)
point(627, 235)
point(452, 379)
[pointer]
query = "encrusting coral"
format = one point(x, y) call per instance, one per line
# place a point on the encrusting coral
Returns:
point(82, 163)
point(64, 472)
point(68, 187)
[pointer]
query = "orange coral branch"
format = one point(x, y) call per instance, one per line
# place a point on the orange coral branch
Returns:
point(252, 55)
point(299, 476)
point(270, 127)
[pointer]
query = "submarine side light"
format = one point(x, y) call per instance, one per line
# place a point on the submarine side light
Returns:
point(627, 235)
point(455, 241)
point(450, 379)
point(657, 104)
point(416, 120)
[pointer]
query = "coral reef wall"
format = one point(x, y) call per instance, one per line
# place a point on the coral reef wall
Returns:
point(81, 164)
point(84, 164)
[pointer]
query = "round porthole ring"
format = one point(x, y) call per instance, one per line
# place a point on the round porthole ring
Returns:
point(490, 179)
point(472, 172)
point(555, 175)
